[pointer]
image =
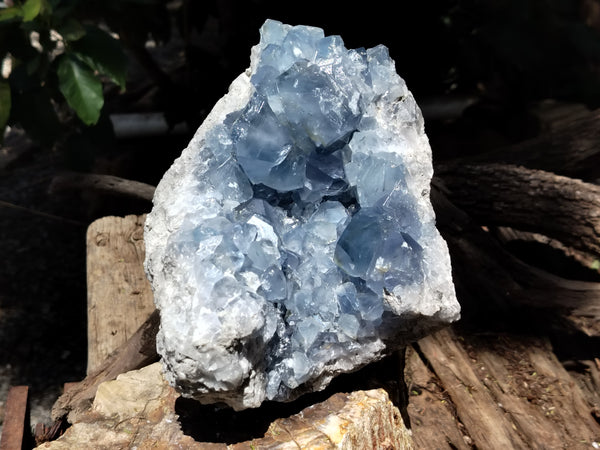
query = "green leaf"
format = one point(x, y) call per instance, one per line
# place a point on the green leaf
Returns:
point(81, 88)
point(31, 9)
point(7, 14)
point(4, 106)
point(103, 53)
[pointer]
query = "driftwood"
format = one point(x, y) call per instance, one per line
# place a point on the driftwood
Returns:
point(107, 184)
point(115, 282)
point(453, 402)
point(508, 236)
point(138, 351)
point(529, 200)
point(122, 321)
point(484, 269)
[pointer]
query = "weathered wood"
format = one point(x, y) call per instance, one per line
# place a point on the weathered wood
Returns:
point(119, 295)
point(531, 200)
point(137, 352)
point(510, 391)
point(433, 418)
point(122, 320)
point(458, 408)
point(46, 433)
point(508, 235)
point(483, 269)
point(478, 411)
point(138, 409)
point(586, 374)
point(108, 184)
point(16, 420)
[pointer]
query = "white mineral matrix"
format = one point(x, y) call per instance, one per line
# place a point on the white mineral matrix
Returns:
point(294, 239)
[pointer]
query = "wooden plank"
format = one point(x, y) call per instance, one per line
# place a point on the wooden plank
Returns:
point(15, 419)
point(483, 418)
point(562, 400)
point(511, 391)
point(119, 295)
point(541, 399)
point(432, 415)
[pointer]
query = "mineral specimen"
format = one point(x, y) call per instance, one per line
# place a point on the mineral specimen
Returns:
point(294, 239)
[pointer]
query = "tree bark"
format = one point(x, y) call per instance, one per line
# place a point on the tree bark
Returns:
point(491, 282)
point(526, 199)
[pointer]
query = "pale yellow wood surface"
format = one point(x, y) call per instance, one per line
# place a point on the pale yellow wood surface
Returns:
point(138, 410)
point(119, 295)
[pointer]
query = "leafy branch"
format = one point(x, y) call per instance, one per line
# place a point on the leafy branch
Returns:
point(55, 59)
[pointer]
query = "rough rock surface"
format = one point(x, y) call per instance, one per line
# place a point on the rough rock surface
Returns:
point(294, 238)
point(137, 410)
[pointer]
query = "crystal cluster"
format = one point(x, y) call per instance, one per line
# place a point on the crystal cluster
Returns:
point(294, 238)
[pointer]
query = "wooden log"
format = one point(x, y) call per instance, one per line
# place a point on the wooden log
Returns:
point(119, 295)
point(15, 428)
point(107, 184)
point(122, 320)
point(483, 268)
point(531, 200)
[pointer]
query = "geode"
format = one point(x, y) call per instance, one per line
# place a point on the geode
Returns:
point(294, 239)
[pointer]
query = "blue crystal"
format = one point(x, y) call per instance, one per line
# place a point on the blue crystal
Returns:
point(315, 213)
point(303, 217)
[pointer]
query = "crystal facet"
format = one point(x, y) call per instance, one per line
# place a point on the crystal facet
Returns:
point(294, 239)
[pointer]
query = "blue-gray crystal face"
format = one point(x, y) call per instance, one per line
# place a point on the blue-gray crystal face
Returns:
point(302, 241)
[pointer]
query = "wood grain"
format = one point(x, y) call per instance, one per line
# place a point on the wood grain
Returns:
point(15, 418)
point(432, 414)
point(507, 391)
point(119, 295)
point(526, 199)
point(138, 351)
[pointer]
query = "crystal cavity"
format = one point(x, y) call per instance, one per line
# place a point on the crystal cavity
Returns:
point(294, 239)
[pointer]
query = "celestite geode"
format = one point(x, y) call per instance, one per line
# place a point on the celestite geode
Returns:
point(294, 238)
